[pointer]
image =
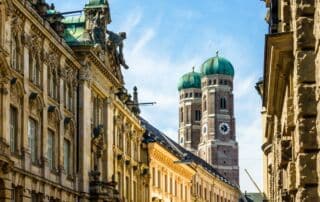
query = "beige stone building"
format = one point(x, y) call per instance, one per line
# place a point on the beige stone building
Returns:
point(290, 96)
point(178, 175)
point(68, 129)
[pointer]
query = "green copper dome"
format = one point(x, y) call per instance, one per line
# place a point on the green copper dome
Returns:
point(217, 65)
point(96, 3)
point(190, 80)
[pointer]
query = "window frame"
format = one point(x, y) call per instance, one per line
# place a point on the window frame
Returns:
point(53, 156)
point(33, 139)
point(67, 161)
point(223, 103)
point(13, 124)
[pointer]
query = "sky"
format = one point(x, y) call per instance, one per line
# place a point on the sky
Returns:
point(166, 38)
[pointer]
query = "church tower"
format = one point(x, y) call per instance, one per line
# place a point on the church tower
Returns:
point(189, 87)
point(218, 145)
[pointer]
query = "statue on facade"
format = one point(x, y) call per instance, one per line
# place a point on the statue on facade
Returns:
point(97, 33)
point(116, 40)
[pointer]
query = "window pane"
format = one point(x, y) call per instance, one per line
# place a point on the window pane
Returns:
point(50, 149)
point(32, 139)
point(14, 53)
point(66, 157)
point(13, 128)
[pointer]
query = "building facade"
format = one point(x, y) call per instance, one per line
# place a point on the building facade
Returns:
point(290, 101)
point(68, 129)
point(207, 123)
point(178, 175)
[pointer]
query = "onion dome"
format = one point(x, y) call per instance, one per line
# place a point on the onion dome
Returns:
point(96, 3)
point(217, 65)
point(190, 80)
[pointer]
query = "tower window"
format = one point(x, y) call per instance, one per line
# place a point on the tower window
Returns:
point(190, 94)
point(214, 82)
point(181, 140)
point(198, 115)
point(181, 114)
point(204, 103)
point(210, 82)
point(223, 103)
point(225, 82)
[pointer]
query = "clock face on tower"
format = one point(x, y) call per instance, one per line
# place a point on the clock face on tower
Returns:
point(224, 128)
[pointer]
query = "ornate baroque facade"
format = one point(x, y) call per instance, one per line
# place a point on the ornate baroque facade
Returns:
point(68, 129)
point(290, 96)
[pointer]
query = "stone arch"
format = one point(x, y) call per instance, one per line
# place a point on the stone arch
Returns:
point(69, 126)
point(17, 91)
point(19, 86)
point(36, 100)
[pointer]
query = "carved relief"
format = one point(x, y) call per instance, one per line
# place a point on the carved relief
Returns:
point(52, 59)
point(85, 72)
point(34, 43)
point(17, 25)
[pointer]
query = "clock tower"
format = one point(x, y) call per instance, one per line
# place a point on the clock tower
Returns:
point(218, 145)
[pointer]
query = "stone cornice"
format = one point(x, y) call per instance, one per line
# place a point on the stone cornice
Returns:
point(128, 114)
point(88, 52)
point(43, 180)
point(45, 29)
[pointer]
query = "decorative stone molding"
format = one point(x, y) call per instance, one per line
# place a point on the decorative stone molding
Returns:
point(52, 59)
point(17, 24)
point(34, 43)
point(85, 73)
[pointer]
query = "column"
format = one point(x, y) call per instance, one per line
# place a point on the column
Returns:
point(84, 110)
point(4, 111)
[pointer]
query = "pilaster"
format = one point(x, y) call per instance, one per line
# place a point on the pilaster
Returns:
point(84, 128)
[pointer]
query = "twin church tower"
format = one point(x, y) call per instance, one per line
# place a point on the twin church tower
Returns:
point(206, 116)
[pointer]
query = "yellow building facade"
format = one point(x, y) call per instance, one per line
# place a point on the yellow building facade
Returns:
point(209, 186)
point(178, 175)
point(170, 181)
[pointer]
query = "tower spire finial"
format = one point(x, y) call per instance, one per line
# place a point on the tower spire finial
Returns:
point(217, 53)
point(192, 68)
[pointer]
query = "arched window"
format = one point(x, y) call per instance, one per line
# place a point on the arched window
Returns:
point(223, 103)
point(34, 69)
point(128, 145)
point(68, 148)
point(14, 53)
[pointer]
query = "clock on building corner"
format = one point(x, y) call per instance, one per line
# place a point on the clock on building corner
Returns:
point(224, 128)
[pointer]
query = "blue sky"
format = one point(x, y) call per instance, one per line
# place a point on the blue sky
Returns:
point(166, 38)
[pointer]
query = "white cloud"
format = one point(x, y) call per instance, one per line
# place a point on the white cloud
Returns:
point(132, 21)
point(144, 39)
point(244, 86)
